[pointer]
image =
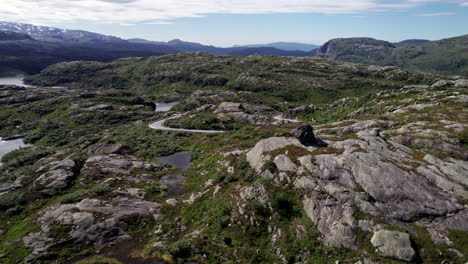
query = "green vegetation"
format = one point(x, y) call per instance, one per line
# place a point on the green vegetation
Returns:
point(273, 79)
point(99, 260)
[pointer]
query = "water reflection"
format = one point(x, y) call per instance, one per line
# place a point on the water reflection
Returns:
point(164, 107)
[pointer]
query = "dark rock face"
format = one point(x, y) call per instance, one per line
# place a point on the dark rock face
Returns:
point(305, 134)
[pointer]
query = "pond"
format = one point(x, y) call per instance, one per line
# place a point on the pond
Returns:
point(173, 183)
point(179, 160)
point(10, 145)
point(14, 80)
point(164, 107)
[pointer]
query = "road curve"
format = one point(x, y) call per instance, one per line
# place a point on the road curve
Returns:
point(280, 118)
point(159, 125)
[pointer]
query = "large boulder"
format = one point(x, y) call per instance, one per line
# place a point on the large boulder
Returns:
point(305, 134)
point(258, 155)
point(284, 163)
point(393, 244)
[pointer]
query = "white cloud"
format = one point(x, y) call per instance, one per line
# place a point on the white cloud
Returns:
point(439, 14)
point(160, 11)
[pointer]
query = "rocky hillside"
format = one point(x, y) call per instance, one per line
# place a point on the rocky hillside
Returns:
point(277, 79)
point(448, 56)
point(374, 176)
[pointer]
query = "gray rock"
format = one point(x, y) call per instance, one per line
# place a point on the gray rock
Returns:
point(229, 107)
point(334, 220)
point(256, 156)
point(442, 83)
point(105, 149)
point(416, 87)
point(57, 175)
point(254, 192)
point(462, 83)
point(98, 167)
point(305, 183)
point(393, 244)
point(305, 134)
point(99, 107)
point(284, 163)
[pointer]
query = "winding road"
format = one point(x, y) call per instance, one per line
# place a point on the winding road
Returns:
point(159, 125)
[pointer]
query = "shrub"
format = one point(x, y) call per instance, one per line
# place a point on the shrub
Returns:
point(12, 200)
point(259, 208)
point(243, 171)
point(74, 197)
point(179, 249)
point(22, 157)
point(282, 203)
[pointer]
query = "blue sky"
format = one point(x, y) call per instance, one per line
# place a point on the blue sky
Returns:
point(228, 22)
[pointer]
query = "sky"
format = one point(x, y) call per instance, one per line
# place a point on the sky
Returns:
point(228, 22)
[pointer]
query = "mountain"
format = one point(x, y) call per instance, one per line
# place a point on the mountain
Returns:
point(57, 35)
point(13, 36)
point(185, 46)
point(21, 53)
point(289, 46)
point(29, 48)
point(447, 56)
point(413, 41)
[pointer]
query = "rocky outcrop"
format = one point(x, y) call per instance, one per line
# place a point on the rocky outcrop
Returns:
point(238, 112)
point(333, 219)
point(56, 174)
point(115, 148)
point(254, 192)
point(462, 83)
point(89, 222)
point(378, 177)
point(98, 167)
point(442, 83)
point(393, 244)
point(258, 155)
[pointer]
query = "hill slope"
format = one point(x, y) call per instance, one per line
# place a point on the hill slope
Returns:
point(379, 178)
point(448, 56)
point(306, 79)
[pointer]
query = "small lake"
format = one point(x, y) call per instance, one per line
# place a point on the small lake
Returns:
point(179, 160)
point(10, 145)
point(164, 107)
point(13, 80)
point(173, 183)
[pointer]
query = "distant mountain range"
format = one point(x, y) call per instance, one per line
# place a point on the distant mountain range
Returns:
point(447, 56)
point(266, 49)
point(290, 46)
point(29, 49)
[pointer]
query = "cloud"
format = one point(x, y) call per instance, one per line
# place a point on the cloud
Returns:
point(141, 11)
point(438, 14)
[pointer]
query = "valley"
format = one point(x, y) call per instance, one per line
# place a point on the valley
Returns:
point(319, 161)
